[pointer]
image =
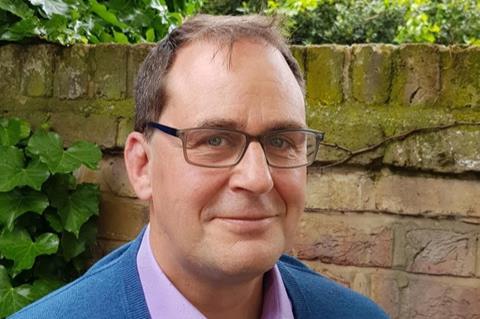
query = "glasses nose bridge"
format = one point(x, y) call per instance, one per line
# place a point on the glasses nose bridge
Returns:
point(253, 138)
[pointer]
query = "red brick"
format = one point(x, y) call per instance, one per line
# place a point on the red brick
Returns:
point(385, 291)
point(345, 240)
point(435, 251)
point(441, 299)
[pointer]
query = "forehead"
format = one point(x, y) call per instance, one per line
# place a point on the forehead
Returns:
point(246, 83)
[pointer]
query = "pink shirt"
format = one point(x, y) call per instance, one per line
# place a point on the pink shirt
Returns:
point(165, 301)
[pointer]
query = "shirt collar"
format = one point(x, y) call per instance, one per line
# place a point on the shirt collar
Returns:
point(165, 301)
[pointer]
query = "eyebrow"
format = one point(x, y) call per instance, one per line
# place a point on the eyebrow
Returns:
point(230, 124)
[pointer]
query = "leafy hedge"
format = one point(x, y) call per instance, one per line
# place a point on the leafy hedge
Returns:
point(47, 220)
point(91, 21)
point(307, 21)
point(367, 21)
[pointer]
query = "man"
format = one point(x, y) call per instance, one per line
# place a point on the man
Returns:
point(220, 151)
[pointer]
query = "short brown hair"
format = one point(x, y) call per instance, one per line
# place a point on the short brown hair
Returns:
point(151, 94)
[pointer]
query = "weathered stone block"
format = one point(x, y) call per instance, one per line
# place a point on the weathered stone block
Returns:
point(125, 126)
point(37, 73)
point(99, 129)
point(72, 72)
point(385, 291)
point(324, 66)
point(339, 189)
point(434, 196)
point(345, 240)
point(9, 69)
point(437, 251)
point(417, 75)
point(121, 218)
point(136, 54)
point(299, 52)
point(371, 73)
point(115, 176)
point(110, 64)
point(441, 299)
point(478, 256)
point(460, 69)
point(111, 176)
point(455, 150)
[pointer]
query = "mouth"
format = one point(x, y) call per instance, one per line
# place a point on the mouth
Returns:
point(247, 224)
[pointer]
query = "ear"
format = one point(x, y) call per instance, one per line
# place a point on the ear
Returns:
point(136, 157)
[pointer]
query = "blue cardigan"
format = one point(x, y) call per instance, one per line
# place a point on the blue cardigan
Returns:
point(111, 289)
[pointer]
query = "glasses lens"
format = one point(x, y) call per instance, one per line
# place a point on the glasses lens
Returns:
point(290, 148)
point(213, 147)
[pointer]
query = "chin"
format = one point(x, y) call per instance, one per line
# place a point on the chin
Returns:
point(250, 259)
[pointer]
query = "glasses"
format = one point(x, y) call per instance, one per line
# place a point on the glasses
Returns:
point(219, 147)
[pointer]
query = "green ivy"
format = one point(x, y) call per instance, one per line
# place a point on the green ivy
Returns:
point(91, 21)
point(47, 219)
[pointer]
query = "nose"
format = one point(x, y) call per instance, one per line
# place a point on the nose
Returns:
point(252, 173)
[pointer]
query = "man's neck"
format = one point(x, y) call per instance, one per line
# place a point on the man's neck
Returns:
point(213, 297)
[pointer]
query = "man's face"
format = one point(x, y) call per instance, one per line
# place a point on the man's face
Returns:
point(225, 222)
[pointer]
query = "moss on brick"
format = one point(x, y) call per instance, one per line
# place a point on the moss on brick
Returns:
point(136, 54)
point(9, 70)
point(72, 73)
point(324, 66)
point(416, 79)
point(299, 52)
point(371, 73)
point(110, 65)
point(37, 72)
point(460, 77)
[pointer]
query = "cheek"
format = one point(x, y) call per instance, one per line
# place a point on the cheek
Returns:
point(183, 187)
point(291, 185)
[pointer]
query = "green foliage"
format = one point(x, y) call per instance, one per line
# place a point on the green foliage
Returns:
point(47, 220)
point(91, 21)
point(367, 21)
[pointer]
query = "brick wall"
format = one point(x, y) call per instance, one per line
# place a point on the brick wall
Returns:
point(399, 221)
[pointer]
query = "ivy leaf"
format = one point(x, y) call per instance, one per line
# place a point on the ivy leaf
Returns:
point(81, 205)
point(72, 247)
point(120, 37)
point(84, 153)
point(11, 161)
point(58, 187)
point(51, 7)
point(14, 174)
point(44, 286)
point(13, 131)
point(17, 7)
point(150, 35)
point(22, 29)
point(12, 299)
point(19, 247)
point(54, 221)
point(48, 146)
point(102, 11)
point(34, 175)
point(15, 203)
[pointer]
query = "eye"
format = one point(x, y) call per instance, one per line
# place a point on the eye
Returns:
point(277, 142)
point(214, 141)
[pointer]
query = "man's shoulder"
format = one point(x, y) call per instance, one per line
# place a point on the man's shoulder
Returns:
point(99, 293)
point(315, 296)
